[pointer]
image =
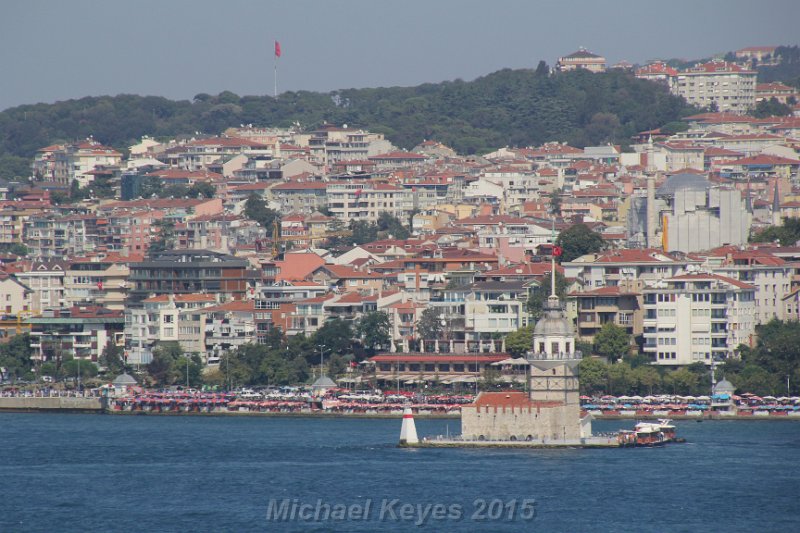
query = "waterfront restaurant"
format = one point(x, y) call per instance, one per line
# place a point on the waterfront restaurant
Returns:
point(411, 369)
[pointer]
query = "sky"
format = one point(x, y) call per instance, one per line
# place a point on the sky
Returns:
point(56, 50)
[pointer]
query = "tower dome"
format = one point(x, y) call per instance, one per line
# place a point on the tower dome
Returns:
point(553, 322)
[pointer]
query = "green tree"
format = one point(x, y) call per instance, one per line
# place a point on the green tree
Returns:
point(202, 189)
point(579, 240)
point(682, 381)
point(540, 293)
point(166, 236)
point(72, 367)
point(363, 232)
point(112, 358)
point(429, 325)
point(593, 375)
point(374, 328)
point(647, 379)
point(163, 369)
point(620, 379)
point(189, 369)
point(771, 108)
point(255, 208)
point(612, 342)
point(390, 225)
point(520, 342)
point(14, 168)
point(757, 380)
point(15, 356)
point(787, 234)
point(336, 335)
point(555, 202)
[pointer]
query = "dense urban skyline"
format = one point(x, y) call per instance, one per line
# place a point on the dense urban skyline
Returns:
point(52, 51)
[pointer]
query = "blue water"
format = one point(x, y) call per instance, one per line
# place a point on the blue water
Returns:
point(150, 473)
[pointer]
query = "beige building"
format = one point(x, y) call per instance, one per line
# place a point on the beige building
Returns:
point(731, 87)
point(46, 281)
point(14, 296)
point(582, 59)
point(365, 201)
point(97, 280)
point(76, 161)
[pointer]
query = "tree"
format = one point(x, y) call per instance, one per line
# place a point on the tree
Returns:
point(647, 379)
point(682, 381)
point(429, 326)
point(520, 342)
point(202, 189)
point(593, 375)
point(771, 108)
point(612, 342)
point(163, 369)
point(578, 240)
point(555, 202)
point(374, 328)
point(787, 234)
point(539, 295)
point(166, 236)
point(542, 69)
point(620, 378)
point(756, 380)
point(363, 231)
point(112, 359)
point(72, 367)
point(390, 225)
point(255, 208)
point(336, 335)
point(15, 356)
point(189, 370)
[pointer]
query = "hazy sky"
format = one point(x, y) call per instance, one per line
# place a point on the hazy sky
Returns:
point(55, 50)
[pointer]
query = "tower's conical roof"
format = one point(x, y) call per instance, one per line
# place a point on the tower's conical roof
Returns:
point(554, 322)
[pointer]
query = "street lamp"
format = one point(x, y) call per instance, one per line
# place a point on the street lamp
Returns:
point(322, 349)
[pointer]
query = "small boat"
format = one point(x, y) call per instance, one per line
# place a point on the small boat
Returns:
point(648, 434)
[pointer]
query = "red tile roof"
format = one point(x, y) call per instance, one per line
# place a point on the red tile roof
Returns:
point(511, 400)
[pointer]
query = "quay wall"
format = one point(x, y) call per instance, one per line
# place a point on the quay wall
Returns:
point(52, 404)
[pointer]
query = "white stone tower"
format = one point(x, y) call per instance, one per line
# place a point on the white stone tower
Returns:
point(553, 360)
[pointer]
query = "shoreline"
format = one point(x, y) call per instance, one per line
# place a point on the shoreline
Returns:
point(376, 416)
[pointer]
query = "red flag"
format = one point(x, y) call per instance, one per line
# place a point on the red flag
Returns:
point(277, 49)
point(100, 285)
point(557, 251)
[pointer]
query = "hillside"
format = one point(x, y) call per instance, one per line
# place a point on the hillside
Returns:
point(508, 107)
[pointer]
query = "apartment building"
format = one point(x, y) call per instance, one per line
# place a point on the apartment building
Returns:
point(697, 318)
point(165, 318)
point(365, 200)
point(731, 87)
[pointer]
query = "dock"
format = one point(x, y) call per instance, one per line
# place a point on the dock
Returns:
point(451, 442)
point(55, 404)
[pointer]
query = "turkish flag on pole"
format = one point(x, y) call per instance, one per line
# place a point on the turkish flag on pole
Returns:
point(277, 49)
point(557, 251)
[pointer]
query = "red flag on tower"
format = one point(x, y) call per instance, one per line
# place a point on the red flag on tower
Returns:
point(277, 49)
point(557, 251)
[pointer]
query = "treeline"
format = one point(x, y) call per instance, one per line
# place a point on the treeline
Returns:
point(788, 71)
point(508, 107)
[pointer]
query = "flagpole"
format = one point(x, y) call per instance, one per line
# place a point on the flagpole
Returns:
point(275, 74)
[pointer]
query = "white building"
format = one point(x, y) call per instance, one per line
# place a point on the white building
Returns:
point(159, 320)
point(365, 201)
point(772, 277)
point(697, 318)
point(731, 87)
